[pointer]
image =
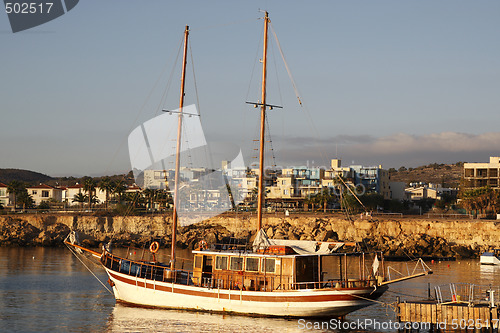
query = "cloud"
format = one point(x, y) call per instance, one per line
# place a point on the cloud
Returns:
point(394, 150)
point(445, 141)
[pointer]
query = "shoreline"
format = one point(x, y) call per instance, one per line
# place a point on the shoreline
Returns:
point(395, 236)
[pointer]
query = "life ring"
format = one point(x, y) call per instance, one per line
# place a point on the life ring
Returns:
point(203, 244)
point(153, 248)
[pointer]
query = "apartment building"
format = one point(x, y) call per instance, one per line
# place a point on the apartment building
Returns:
point(44, 192)
point(482, 174)
point(4, 196)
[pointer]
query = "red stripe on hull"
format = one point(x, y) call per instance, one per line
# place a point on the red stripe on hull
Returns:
point(256, 298)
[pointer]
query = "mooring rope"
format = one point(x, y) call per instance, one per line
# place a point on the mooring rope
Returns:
point(72, 251)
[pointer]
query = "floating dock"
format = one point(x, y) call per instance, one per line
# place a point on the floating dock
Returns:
point(468, 307)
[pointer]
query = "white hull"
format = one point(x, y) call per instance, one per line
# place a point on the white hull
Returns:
point(488, 258)
point(297, 303)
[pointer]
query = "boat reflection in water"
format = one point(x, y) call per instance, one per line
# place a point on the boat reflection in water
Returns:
point(125, 319)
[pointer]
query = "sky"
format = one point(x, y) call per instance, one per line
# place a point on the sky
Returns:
point(392, 83)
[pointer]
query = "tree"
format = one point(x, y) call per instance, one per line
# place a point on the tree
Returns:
point(481, 200)
point(119, 190)
point(106, 185)
point(322, 198)
point(150, 196)
point(15, 188)
point(89, 187)
point(80, 198)
point(44, 205)
point(25, 199)
point(372, 200)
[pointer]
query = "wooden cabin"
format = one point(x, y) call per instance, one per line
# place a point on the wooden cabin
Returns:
point(280, 268)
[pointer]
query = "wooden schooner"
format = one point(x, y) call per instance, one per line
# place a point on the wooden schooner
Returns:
point(272, 278)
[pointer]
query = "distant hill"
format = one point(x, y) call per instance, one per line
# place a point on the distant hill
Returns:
point(31, 177)
point(444, 174)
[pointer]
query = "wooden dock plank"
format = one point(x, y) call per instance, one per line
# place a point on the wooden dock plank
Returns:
point(494, 318)
point(413, 308)
point(408, 311)
point(428, 313)
point(466, 317)
point(449, 314)
point(439, 313)
point(460, 313)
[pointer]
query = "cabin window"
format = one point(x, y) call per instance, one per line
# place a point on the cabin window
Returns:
point(135, 269)
point(220, 262)
point(125, 266)
point(252, 265)
point(198, 261)
point(236, 263)
point(270, 265)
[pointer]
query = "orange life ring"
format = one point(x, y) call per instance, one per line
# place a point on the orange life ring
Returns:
point(154, 247)
point(203, 244)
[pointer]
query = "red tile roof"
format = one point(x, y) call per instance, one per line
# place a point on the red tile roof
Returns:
point(3, 185)
point(41, 186)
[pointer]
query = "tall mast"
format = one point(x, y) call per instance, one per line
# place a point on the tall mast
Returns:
point(262, 128)
point(178, 152)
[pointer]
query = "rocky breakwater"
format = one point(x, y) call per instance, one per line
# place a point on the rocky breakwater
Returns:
point(396, 237)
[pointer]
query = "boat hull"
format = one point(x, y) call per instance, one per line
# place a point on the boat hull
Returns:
point(296, 303)
point(488, 258)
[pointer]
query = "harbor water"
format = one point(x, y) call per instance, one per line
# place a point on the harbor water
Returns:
point(50, 290)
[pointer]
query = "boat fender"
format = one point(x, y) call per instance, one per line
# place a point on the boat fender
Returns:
point(111, 283)
point(153, 248)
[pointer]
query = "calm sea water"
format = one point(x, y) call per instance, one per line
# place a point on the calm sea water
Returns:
point(49, 290)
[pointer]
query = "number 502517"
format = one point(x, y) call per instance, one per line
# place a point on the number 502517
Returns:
point(28, 7)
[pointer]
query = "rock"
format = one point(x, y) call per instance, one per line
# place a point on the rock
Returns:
point(270, 232)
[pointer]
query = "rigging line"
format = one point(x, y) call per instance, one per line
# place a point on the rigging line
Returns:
point(194, 80)
point(352, 192)
point(141, 110)
point(169, 82)
point(297, 94)
point(276, 72)
point(198, 106)
point(279, 88)
point(407, 295)
point(72, 251)
point(254, 63)
point(271, 149)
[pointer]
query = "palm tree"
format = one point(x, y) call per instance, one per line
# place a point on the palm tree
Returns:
point(89, 187)
point(119, 190)
point(15, 188)
point(25, 199)
point(149, 195)
point(106, 185)
point(80, 198)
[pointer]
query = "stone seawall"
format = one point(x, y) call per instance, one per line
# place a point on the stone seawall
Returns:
point(394, 236)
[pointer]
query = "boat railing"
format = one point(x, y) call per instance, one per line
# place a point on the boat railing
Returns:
point(147, 270)
point(234, 281)
point(332, 283)
point(230, 247)
point(466, 293)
